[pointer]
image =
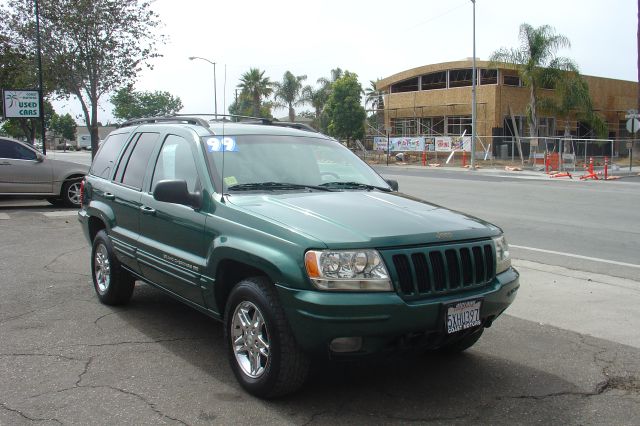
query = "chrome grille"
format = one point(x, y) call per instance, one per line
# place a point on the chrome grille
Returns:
point(421, 272)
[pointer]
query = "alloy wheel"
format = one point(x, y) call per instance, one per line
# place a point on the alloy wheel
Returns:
point(250, 339)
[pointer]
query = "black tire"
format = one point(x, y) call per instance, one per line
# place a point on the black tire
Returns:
point(71, 193)
point(463, 344)
point(113, 285)
point(283, 367)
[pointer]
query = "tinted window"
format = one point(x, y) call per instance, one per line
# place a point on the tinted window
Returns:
point(139, 160)
point(176, 162)
point(14, 150)
point(125, 158)
point(105, 158)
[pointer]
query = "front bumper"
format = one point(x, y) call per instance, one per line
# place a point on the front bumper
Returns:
point(316, 317)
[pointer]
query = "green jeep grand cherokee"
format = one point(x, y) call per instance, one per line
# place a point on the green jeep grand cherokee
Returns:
point(291, 240)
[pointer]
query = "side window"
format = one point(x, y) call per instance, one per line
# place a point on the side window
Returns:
point(175, 161)
point(107, 155)
point(15, 151)
point(139, 160)
point(124, 158)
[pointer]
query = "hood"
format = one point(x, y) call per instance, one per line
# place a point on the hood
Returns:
point(364, 218)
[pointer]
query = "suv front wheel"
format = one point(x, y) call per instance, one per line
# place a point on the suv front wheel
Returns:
point(264, 356)
point(113, 284)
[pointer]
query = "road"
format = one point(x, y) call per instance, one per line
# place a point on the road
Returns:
point(566, 352)
point(598, 220)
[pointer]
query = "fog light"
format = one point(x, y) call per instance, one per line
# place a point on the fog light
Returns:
point(346, 344)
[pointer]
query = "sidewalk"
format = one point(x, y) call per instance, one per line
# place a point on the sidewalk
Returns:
point(587, 303)
point(525, 173)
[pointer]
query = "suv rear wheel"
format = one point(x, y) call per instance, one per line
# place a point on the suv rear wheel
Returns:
point(263, 354)
point(113, 284)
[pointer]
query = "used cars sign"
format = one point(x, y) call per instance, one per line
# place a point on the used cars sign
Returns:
point(21, 103)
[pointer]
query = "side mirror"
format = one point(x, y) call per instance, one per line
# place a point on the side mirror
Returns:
point(393, 184)
point(176, 192)
point(39, 157)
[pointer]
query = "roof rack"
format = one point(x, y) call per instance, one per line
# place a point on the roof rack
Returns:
point(167, 119)
point(197, 119)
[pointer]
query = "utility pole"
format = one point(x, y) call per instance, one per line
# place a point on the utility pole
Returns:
point(473, 93)
point(215, 88)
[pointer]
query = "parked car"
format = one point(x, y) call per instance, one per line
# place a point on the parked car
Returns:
point(26, 171)
point(292, 241)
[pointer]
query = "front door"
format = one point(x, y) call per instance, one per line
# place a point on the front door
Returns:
point(171, 249)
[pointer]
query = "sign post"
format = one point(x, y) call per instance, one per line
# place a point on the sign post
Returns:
point(633, 124)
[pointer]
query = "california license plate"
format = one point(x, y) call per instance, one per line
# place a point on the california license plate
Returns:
point(463, 315)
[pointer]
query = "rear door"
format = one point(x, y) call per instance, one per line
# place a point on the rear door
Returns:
point(129, 178)
point(171, 248)
point(21, 172)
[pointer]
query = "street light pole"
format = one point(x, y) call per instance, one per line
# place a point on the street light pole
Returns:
point(473, 94)
point(215, 85)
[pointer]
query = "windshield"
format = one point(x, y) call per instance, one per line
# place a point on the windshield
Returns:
point(267, 162)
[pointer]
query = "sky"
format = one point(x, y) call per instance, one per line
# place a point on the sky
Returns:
point(375, 39)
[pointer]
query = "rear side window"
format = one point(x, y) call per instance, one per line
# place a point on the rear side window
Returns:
point(139, 160)
point(107, 155)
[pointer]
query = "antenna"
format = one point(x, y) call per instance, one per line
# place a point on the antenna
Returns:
point(224, 101)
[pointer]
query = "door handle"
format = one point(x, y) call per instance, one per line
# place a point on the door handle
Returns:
point(5, 163)
point(148, 210)
point(109, 196)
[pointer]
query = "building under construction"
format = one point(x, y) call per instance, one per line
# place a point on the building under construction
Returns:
point(435, 100)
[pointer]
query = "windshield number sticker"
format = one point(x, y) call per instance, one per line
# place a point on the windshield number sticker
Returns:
point(219, 144)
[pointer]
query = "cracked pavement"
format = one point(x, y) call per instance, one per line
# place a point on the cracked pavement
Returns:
point(67, 359)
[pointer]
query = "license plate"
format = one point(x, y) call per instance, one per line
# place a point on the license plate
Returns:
point(463, 315)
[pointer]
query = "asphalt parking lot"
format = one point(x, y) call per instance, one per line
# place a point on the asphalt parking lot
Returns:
point(67, 359)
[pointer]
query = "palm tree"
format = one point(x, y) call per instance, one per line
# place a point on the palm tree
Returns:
point(573, 98)
point(537, 63)
point(373, 96)
point(257, 86)
point(336, 73)
point(290, 93)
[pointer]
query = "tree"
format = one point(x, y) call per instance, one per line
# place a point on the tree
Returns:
point(572, 97)
point(318, 98)
point(537, 64)
point(344, 108)
point(243, 106)
point(63, 125)
point(254, 84)
point(17, 72)
point(375, 97)
point(94, 46)
point(289, 93)
point(128, 104)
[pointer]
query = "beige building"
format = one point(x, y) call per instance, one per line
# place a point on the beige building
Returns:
point(435, 100)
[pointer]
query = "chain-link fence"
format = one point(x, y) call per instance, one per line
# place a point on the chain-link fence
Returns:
point(526, 152)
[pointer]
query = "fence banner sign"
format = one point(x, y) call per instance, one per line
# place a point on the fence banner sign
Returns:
point(448, 143)
point(21, 103)
point(443, 144)
point(399, 144)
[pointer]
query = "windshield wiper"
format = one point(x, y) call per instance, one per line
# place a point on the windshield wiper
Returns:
point(355, 185)
point(274, 186)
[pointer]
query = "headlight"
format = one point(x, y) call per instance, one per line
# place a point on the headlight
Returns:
point(503, 261)
point(347, 270)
